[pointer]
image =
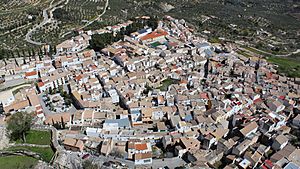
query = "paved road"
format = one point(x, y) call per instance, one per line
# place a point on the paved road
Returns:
point(45, 109)
point(46, 20)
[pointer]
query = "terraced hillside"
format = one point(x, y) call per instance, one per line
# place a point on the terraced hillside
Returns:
point(72, 14)
point(28, 24)
point(17, 17)
point(271, 24)
point(268, 25)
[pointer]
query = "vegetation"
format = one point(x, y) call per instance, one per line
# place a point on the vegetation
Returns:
point(100, 41)
point(147, 89)
point(244, 54)
point(79, 11)
point(18, 162)
point(116, 153)
point(269, 25)
point(98, 25)
point(258, 52)
point(289, 67)
point(89, 165)
point(166, 83)
point(214, 40)
point(17, 17)
point(37, 137)
point(45, 153)
point(67, 98)
point(18, 125)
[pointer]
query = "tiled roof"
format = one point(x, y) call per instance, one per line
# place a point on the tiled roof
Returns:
point(155, 34)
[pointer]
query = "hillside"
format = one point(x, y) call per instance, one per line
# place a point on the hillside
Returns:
point(269, 25)
point(272, 24)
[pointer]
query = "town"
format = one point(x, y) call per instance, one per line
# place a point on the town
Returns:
point(158, 97)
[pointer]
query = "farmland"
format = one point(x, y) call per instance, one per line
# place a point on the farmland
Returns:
point(26, 25)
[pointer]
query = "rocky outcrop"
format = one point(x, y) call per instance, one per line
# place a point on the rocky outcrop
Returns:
point(4, 141)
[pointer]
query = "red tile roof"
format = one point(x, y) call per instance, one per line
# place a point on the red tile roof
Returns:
point(141, 146)
point(203, 96)
point(257, 100)
point(87, 54)
point(40, 84)
point(77, 78)
point(139, 156)
point(155, 34)
point(33, 73)
point(264, 167)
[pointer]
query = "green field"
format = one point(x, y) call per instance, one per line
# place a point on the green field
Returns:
point(257, 51)
point(37, 137)
point(244, 54)
point(17, 162)
point(45, 153)
point(289, 67)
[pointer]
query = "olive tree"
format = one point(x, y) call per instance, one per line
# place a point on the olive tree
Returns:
point(18, 125)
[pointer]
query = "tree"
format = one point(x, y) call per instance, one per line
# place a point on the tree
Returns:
point(50, 51)
point(18, 125)
point(115, 152)
point(62, 123)
point(23, 53)
point(29, 52)
point(89, 165)
point(32, 52)
point(18, 54)
point(24, 60)
point(12, 54)
point(55, 50)
point(45, 50)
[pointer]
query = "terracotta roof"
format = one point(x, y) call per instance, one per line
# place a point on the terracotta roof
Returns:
point(33, 73)
point(155, 34)
point(57, 118)
point(40, 84)
point(77, 78)
point(141, 146)
point(139, 156)
point(87, 54)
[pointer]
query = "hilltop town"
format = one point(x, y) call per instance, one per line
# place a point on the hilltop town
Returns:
point(157, 97)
